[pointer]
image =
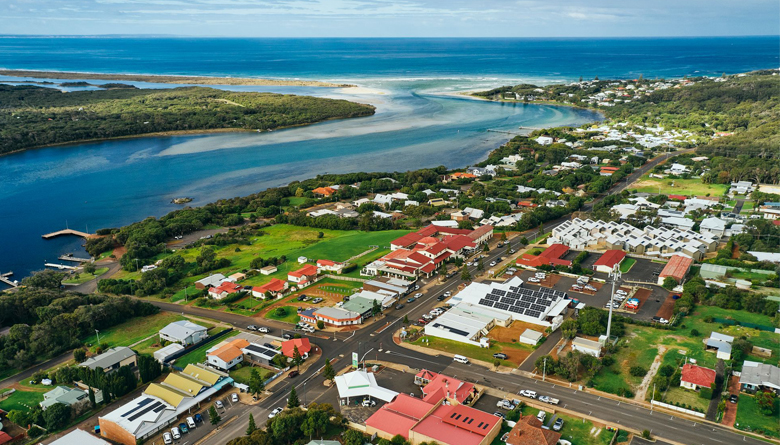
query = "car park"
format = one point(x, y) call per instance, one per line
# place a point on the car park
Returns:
point(190, 422)
point(500, 355)
point(558, 424)
point(252, 327)
point(275, 412)
point(527, 393)
point(234, 398)
point(183, 428)
point(293, 374)
point(175, 433)
point(167, 438)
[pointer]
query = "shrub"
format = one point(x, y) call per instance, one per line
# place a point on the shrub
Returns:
point(695, 333)
point(638, 371)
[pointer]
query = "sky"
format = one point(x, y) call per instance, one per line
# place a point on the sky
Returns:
point(388, 18)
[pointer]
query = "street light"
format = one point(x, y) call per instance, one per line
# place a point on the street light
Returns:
point(98, 336)
point(615, 276)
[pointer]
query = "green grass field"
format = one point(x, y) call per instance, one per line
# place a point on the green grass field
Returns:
point(84, 277)
point(749, 418)
point(198, 355)
point(688, 397)
point(625, 266)
point(21, 400)
point(290, 316)
point(578, 432)
point(637, 348)
point(686, 187)
point(471, 351)
point(134, 330)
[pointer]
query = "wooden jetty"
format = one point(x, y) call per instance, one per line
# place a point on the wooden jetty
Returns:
point(4, 279)
point(60, 266)
point(66, 232)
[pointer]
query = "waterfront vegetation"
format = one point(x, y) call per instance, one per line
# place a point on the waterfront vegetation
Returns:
point(35, 116)
point(83, 277)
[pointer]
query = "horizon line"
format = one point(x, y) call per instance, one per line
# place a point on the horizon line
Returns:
point(153, 35)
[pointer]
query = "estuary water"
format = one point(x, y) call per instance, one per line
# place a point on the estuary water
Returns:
point(418, 123)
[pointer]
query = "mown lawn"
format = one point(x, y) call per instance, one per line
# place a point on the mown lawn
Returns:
point(578, 431)
point(21, 400)
point(290, 315)
point(692, 186)
point(84, 277)
point(749, 418)
point(134, 330)
point(685, 397)
point(198, 355)
point(470, 351)
point(626, 264)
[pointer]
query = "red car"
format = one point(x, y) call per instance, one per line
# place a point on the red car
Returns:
point(422, 321)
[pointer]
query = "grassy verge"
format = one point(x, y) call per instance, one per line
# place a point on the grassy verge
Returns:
point(692, 186)
point(198, 355)
point(749, 418)
point(84, 277)
point(582, 432)
point(290, 315)
point(471, 351)
point(686, 397)
point(626, 265)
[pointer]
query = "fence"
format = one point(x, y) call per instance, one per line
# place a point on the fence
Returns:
point(343, 278)
point(191, 348)
point(678, 409)
point(277, 375)
point(760, 327)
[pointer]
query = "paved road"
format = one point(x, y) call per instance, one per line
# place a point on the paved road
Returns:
point(60, 359)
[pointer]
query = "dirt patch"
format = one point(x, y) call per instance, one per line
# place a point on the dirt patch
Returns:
point(641, 392)
point(507, 334)
point(667, 308)
point(119, 251)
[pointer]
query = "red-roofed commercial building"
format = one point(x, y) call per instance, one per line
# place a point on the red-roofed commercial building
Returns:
point(695, 377)
point(436, 387)
point(677, 267)
point(275, 286)
point(303, 345)
point(528, 431)
point(422, 421)
point(608, 260)
point(223, 290)
point(305, 274)
point(551, 256)
point(406, 241)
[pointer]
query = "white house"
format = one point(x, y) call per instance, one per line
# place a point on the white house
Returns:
point(226, 354)
point(544, 140)
point(713, 226)
point(678, 169)
point(586, 346)
point(183, 332)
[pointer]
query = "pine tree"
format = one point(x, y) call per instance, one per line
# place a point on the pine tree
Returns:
point(293, 401)
point(256, 384)
point(406, 320)
point(92, 397)
point(214, 416)
point(465, 275)
point(252, 427)
point(297, 359)
point(328, 372)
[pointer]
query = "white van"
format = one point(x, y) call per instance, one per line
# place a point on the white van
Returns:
point(460, 359)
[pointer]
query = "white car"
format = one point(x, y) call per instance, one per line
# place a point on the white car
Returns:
point(541, 416)
point(492, 264)
point(167, 438)
point(418, 295)
point(275, 412)
point(534, 280)
point(175, 433)
point(219, 404)
point(448, 294)
point(234, 398)
point(369, 403)
point(263, 329)
point(621, 292)
point(528, 393)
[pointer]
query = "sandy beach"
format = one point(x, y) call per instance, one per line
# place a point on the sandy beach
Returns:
point(184, 80)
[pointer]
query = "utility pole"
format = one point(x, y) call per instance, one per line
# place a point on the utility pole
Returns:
point(98, 336)
point(615, 275)
point(652, 399)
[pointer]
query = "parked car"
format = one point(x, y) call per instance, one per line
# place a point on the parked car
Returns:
point(198, 418)
point(287, 336)
point(183, 428)
point(293, 374)
point(418, 294)
point(301, 297)
point(534, 280)
point(263, 329)
point(527, 393)
point(219, 404)
point(275, 412)
point(548, 399)
point(369, 403)
point(541, 416)
point(422, 321)
point(167, 438)
point(252, 327)
point(175, 433)
point(448, 294)
point(558, 424)
point(316, 300)
point(733, 398)
point(410, 300)
point(505, 404)
point(441, 297)
point(399, 306)
point(234, 398)
point(498, 414)
point(190, 422)
point(500, 355)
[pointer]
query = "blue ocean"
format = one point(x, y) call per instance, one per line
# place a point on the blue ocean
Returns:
point(419, 121)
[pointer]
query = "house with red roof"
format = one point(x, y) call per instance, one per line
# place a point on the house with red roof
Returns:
point(436, 387)
point(303, 345)
point(5, 438)
point(324, 191)
point(329, 266)
point(418, 420)
point(551, 257)
point(678, 197)
point(695, 377)
point(223, 290)
point(528, 431)
point(608, 260)
point(527, 204)
point(677, 268)
point(305, 274)
point(276, 287)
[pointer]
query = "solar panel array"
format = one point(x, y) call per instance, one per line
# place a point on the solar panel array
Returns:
point(144, 406)
point(522, 301)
